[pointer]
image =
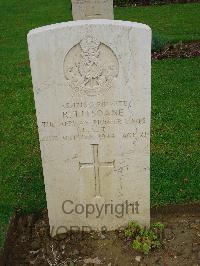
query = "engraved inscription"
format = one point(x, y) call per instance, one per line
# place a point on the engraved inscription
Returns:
point(96, 120)
point(96, 164)
point(91, 67)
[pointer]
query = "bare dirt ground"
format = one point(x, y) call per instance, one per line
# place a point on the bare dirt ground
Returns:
point(133, 3)
point(179, 50)
point(29, 243)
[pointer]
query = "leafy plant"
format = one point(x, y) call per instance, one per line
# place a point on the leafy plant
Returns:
point(159, 42)
point(143, 239)
point(158, 226)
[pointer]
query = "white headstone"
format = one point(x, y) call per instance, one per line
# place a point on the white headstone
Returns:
point(92, 9)
point(92, 93)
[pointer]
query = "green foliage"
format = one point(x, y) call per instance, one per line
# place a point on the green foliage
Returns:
point(158, 226)
point(159, 42)
point(144, 239)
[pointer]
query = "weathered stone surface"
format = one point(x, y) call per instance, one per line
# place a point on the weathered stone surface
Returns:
point(92, 9)
point(92, 93)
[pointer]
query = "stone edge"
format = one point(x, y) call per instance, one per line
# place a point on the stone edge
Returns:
point(100, 22)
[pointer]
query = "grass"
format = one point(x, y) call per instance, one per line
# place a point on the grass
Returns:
point(174, 161)
point(176, 22)
point(175, 168)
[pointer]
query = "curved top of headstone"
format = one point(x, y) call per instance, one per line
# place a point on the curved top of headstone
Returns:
point(98, 22)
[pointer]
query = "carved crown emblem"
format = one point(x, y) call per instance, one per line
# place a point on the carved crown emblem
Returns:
point(89, 44)
point(90, 67)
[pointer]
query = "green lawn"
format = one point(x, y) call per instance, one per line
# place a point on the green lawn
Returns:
point(174, 163)
point(175, 160)
point(178, 22)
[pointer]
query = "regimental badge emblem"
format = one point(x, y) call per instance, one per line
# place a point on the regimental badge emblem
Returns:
point(90, 67)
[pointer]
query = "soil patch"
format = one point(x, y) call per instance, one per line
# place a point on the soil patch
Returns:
point(179, 50)
point(29, 242)
point(133, 3)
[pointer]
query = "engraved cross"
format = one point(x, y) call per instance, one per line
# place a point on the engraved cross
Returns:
point(96, 164)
